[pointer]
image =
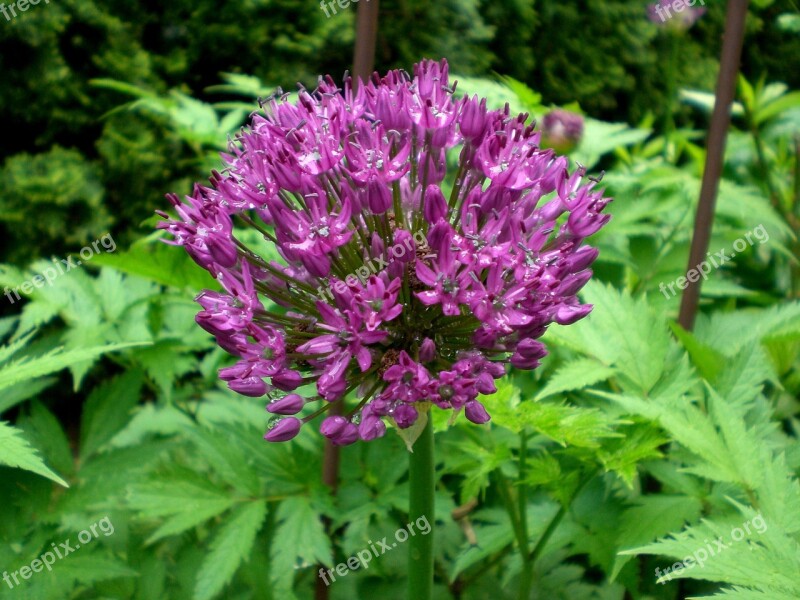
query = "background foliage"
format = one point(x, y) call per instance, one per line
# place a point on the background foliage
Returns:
point(631, 445)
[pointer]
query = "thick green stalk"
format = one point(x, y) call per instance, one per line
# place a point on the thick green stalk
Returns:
point(420, 547)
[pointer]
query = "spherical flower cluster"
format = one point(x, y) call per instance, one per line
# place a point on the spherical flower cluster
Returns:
point(562, 130)
point(494, 253)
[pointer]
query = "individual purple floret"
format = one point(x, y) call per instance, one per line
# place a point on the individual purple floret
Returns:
point(562, 130)
point(390, 286)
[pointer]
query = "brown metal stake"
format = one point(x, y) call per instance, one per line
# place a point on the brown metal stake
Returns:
point(363, 64)
point(715, 151)
point(366, 38)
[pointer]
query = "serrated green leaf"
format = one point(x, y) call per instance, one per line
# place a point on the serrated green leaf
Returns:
point(108, 409)
point(543, 469)
point(740, 593)
point(532, 101)
point(728, 445)
point(165, 361)
point(652, 517)
point(567, 425)
point(621, 332)
point(502, 405)
point(15, 451)
point(90, 569)
point(159, 262)
point(22, 391)
point(744, 375)
point(476, 462)
point(9, 350)
point(44, 432)
point(231, 545)
point(148, 420)
point(104, 478)
point(708, 361)
point(228, 460)
point(623, 455)
point(25, 368)
point(762, 559)
point(303, 540)
point(83, 568)
point(600, 138)
point(575, 375)
point(496, 93)
point(730, 332)
point(184, 503)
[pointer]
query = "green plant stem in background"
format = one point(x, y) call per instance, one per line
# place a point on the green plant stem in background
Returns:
point(796, 212)
point(518, 513)
point(526, 577)
point(761, 155)
point(554, 523)
point(787, 209)
point(421, 487)
point(671, 81)
point(519, 518)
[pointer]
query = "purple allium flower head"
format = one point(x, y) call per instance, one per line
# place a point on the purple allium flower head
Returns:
point(562, 130)
point(387, 287)
point(663, 14)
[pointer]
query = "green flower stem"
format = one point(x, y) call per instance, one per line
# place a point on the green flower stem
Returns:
point(420, 547)
point(517, 513)
point(504, 488)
